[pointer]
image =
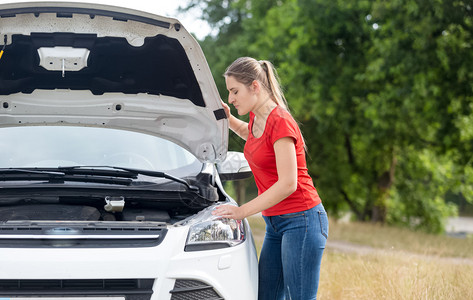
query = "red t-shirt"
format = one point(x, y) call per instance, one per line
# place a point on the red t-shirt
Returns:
point(262, 160)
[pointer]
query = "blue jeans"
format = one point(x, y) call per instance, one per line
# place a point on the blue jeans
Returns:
point(289, 264)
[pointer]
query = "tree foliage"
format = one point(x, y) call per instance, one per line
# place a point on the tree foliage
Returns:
point(383, 91)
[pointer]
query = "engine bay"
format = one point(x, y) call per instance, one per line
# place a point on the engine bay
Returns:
point(68, 212)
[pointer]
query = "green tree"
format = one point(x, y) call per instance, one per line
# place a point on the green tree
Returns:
point(421, 66)
point(383, 91)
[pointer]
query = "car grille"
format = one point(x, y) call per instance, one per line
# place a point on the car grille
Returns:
point(45, 234)
point(132, 289)
point(193, 290)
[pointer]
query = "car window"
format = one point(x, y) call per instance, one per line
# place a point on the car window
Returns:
point(54, 146)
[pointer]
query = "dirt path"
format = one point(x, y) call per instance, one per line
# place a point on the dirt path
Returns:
point(346, 247)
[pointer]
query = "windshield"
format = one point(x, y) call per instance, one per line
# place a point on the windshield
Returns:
point(59, 146)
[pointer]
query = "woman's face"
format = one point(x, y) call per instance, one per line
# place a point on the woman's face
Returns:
point(243, 98)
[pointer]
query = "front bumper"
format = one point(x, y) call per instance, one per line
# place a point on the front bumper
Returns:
point(230, 273)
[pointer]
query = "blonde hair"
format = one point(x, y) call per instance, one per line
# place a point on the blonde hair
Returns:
point(248, 69)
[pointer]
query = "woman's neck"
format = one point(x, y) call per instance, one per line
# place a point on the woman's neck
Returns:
point(265, 107)
point(261, 116)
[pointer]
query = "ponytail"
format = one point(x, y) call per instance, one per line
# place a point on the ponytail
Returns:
point(273, 83)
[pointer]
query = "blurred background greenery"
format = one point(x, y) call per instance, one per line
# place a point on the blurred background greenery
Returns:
point(383, 91)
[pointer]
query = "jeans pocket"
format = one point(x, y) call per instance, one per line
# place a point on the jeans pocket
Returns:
point(323, 219)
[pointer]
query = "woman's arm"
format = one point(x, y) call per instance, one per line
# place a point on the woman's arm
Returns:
point(286, 164)
point(236, 125)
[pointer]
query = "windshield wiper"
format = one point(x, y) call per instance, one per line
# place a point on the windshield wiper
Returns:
point(57, 175)
point(119, 171)
point(6, 171)
point(98, 174)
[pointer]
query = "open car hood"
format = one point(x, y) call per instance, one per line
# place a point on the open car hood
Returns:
point(96, 65)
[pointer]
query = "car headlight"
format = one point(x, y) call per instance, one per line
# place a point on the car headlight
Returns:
point(212, 232)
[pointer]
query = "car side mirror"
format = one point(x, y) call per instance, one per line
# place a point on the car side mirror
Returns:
point(234, 167)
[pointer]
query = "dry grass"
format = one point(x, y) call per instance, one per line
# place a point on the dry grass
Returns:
point(392, 276)
point(400, 264)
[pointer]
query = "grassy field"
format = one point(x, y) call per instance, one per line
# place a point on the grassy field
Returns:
point(383, 262)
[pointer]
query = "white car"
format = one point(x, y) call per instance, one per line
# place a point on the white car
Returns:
point(113, 150)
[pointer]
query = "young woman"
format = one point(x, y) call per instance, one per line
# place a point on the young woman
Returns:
point(296, 222)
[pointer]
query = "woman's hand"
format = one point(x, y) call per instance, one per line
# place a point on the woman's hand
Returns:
point(237, 125)
point(229, 211)
point(227, 109)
